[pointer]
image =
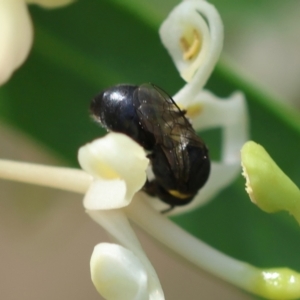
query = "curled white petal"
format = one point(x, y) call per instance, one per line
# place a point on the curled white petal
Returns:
point(193, 36)
point(230, 114)
point(118, 274)
point(116, 223)
point(50, 3)
point(15, 36)
point(118, 165)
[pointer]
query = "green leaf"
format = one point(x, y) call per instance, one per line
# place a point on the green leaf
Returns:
point(90, 45)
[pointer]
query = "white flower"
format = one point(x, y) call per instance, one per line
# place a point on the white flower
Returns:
point(118, 166)
point(16, 33)
point(193, 36)
point(115, 278)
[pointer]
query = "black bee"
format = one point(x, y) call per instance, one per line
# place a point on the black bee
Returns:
point(148, 115)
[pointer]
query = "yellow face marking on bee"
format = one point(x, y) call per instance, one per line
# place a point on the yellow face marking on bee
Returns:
point(178, 194)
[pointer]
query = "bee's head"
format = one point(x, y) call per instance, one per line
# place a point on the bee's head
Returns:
point(113, 107)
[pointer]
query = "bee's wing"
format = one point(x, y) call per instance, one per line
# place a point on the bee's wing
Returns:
point(160, 115)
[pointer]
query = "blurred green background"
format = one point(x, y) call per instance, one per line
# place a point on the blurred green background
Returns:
point(85, 47)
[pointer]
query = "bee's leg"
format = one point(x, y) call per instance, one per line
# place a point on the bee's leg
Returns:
point(150, 188)
point(150, 156)
point(168, 209)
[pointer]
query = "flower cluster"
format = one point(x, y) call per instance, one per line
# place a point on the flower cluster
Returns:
point(115, 171)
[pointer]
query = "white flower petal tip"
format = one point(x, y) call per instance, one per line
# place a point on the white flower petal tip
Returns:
point(50, 3)
point(193, 36)
point(118, 165)
point(15, 36)
point(106, 194)
point(118, 274)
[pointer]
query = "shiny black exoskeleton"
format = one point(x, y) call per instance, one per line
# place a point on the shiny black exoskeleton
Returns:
point(148, 115)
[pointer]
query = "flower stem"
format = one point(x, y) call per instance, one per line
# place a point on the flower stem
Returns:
point(239, 273)
point(117, 224)
point(72, 180)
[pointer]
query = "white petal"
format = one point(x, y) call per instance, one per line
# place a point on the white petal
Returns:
point(230, 114)
point(193, 21)
point(15, 36)
point(118, 274)
point(106, 194)
point(113, 158)
point(50, 3)
point(116, 223)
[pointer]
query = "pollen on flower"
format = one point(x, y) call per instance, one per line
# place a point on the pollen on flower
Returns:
point(194, 110)
point(191, 45)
